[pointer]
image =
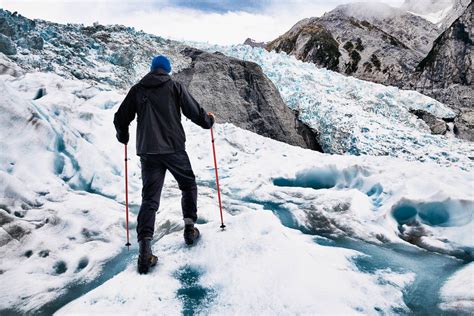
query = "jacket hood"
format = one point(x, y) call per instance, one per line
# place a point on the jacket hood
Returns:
point(155, 78)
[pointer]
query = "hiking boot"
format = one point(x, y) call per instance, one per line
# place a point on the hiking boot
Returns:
point(191, 233)
point(146, 259)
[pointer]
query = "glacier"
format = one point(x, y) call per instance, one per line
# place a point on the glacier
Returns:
point(296, 219)
point(354, 116)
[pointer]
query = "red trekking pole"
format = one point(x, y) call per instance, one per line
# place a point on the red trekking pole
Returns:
point(217, 179)
point(126, 197)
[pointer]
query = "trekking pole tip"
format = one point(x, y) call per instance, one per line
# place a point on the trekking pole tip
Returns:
point(222, 226)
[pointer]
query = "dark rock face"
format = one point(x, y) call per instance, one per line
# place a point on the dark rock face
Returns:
point(450, 61)
point(464, 124)
point(311, 42)
point(240, 93)
point(446, 73)
point(437, 126)
point(6, 45)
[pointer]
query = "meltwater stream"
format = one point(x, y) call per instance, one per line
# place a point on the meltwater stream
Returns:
point(422, 296)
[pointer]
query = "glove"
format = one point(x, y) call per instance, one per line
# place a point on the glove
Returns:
point(123, 137)
point(212, 117)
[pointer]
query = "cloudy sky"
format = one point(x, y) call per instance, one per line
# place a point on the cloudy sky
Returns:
point(214, 21)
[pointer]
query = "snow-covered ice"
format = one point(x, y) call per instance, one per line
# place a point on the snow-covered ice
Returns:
point(55, 231)
point(62, 213)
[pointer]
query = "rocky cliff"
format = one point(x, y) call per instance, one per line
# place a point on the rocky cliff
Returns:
point(446, 72)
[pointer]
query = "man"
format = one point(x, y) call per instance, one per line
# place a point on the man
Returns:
point(158, 100)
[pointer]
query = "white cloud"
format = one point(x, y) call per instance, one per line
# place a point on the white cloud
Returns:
point(160, 17)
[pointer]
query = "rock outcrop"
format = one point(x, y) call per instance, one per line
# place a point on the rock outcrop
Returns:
point(310, 42)
point(253, 43)
point(240, 93)
point(436, 125)
point(6, 45)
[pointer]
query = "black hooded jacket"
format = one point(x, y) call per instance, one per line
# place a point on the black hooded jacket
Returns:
point(158, 100)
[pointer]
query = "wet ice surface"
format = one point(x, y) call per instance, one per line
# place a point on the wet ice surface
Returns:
point(299, 222)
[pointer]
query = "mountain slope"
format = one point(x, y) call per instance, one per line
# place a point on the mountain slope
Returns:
point(369, 41)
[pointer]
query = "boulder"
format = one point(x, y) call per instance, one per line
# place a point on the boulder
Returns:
point(238, 92)
point(464, 124)
point(6, 45)
point(436, 125)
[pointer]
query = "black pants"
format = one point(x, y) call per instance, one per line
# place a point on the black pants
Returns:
point(153, 175)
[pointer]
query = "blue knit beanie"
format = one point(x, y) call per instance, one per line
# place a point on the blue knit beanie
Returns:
point(161, 62)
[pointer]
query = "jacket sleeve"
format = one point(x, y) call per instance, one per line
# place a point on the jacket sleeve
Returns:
point(124, 116)
point(192, 110)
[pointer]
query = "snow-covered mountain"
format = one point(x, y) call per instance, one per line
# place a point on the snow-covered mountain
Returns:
point(345, 115)
point(307, 232)
point(118, 56)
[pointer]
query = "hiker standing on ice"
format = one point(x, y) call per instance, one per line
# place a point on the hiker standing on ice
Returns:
point(158, 100)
